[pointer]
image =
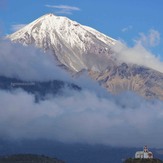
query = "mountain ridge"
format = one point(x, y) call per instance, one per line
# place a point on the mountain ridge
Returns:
point(77, 48)
point(65, 38)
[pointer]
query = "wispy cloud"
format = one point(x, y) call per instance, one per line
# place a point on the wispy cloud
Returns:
point(127, 28)
point(140, 53)
point(152, 39)
point(16, 27)
point(64, 9)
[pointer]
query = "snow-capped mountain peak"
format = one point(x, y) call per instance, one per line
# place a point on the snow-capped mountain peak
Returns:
point(78, 47)
point(74, 45)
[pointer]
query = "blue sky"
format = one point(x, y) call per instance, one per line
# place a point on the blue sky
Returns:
point(127, 20)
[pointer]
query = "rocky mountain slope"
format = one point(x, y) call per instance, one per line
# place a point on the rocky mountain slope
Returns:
point(125, 77)
point(77, 47)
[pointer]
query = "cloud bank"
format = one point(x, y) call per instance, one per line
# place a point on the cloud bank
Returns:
point(28, 63)
point(126, 120)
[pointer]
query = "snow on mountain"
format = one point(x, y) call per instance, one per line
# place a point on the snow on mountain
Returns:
point(75, 46)
point(79, 47)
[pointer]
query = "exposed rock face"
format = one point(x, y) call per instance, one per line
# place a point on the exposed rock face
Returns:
point(144, 81)
point(77, 48)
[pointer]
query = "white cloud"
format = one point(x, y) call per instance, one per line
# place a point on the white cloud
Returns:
point(28, 63)
point(84, 117)
point(64, 9)
point(127, 28)
point(137, 54)
point(16, 27)
point(150, 40)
